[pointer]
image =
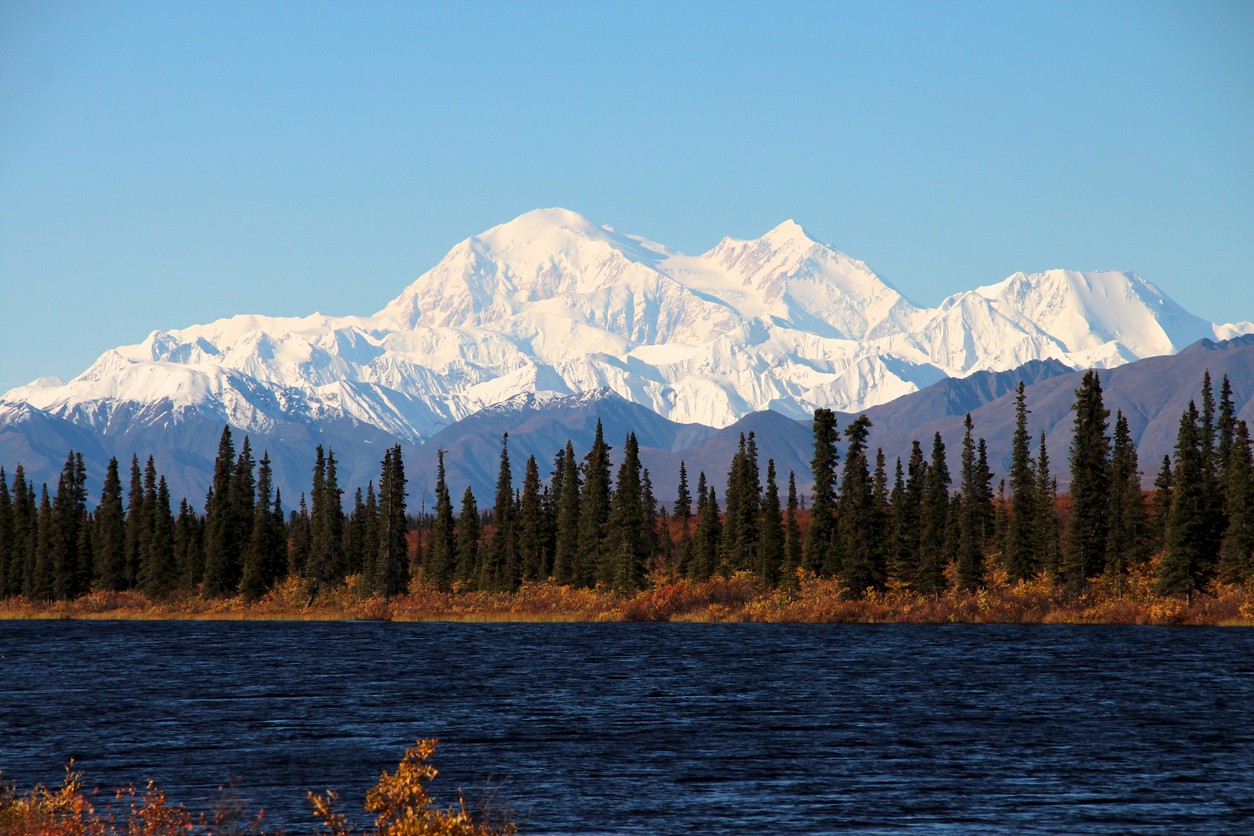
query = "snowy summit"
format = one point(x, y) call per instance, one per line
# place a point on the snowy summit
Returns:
point(551, 302)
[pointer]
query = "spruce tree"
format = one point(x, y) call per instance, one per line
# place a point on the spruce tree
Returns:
point(935, 544)
point(136, 525)
point(707, 535)
point(1236, 554)
point(626, 540)
point(683, 500)
point(109, 537)
point(1126, 528)
point(908, 517)
point(42, 581)
point(441, 553)
point(1225, 428)
point(222, 546)
point(25, 536)
point(1214, 520)
point(159, 573)
point(393, 561)
point(189, 552)
point(355, 535)
point(1048, 556)
point(69, 576)
point(594, 510)
point(326, 563)
point(300, 533)
point(265, 558)
point(566, 542)
point(498, 570)
point(1180, 571)
point(793, 554)
point(771, 527)
point(648, 507)
point(530, 529)
point(243, 499)
point(742, 500)
point(1161, 506)
point(1084, 550)
point(371, 536)
point(971, 532)
point(6, 535)
point(469, 531)
point(1020, 553)
point(821, 545)
point(857, 519)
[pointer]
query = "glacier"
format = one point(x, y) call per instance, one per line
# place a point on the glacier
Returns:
point(552, 303)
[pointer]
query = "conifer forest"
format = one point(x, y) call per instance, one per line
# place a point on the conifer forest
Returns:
point(868, 527)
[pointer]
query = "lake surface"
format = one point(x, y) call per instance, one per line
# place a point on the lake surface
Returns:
point(658, 728)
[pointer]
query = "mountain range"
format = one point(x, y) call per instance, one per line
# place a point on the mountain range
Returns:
point(551, 314)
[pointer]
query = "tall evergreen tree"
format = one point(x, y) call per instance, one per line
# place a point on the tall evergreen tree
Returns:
point(1163, 484)
point(393, 562)
point(42, 586)
point(222, 546)
point(1020, 554)
point(265, 558)
point(708, 533)
point(1236, 554)
point(1126, 528)
point(1084, 551)
point(25, 532)
point(821, 547)
point(300, 533)
point(159, 573)
point(793, 554)
point(6, 537)
point(935, 545)
point(530, 529)
point(189, 551)
point(648, 508)
point(326, 563)
point(683, 500)
point(1184, 559)
point(1048, 555)
point(626, 541)
point(498, 570)
point(742, 501)
point(594, 509)
point(70, 573)
point(1214, 520)
point(109, 540)
point(857, 517)
point(355, 535)
point(1225, 428)
point(971, 515)
point(469, 532)
point(441, 553)
point(136, 525)
point(566, 541)
point(771, 539)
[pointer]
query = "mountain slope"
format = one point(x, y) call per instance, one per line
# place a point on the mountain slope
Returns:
point(553, 303)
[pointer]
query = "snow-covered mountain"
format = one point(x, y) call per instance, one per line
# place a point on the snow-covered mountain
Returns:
point(553, 303)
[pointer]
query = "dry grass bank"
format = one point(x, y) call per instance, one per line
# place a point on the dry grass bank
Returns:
point(735, 599)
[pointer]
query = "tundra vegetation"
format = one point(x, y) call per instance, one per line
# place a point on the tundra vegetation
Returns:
point(874, 541)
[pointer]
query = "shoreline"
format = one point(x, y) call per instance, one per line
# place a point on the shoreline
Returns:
point(721, 600)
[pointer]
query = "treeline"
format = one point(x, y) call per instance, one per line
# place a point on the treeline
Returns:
point(913, 525)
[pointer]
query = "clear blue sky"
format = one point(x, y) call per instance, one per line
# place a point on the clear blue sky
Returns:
point(168, 163)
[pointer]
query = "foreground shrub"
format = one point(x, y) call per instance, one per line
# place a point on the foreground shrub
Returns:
point(400, 799)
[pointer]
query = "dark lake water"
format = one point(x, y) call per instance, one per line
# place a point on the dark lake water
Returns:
point(659, 728)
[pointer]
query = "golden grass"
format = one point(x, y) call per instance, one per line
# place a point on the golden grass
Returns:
point(735, 599)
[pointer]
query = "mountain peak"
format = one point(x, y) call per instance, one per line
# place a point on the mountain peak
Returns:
point(789, 232)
